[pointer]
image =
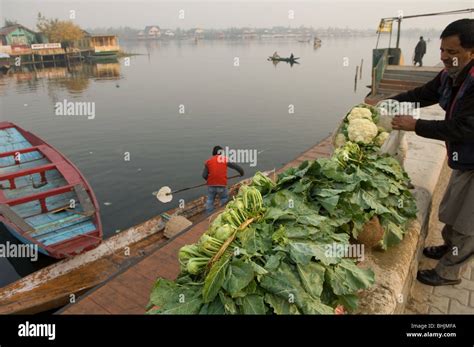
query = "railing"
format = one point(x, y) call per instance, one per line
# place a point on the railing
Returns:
point(378, 68)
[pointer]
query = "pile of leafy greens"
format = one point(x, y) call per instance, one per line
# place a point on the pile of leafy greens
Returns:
point(272, 249)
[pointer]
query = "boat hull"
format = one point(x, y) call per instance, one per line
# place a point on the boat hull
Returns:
point(45, 200)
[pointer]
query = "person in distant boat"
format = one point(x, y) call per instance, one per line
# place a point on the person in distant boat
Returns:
point(275, 55)
point(420, 51)
point(215, 173)
point(292, 56)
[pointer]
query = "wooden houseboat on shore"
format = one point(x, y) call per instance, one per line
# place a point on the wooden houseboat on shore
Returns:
point(103, 47)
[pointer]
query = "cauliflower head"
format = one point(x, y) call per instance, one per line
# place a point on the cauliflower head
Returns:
point(381, 138)
point(362, 130)
point(359, 113)
point(340, 140)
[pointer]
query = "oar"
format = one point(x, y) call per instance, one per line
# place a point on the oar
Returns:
point(165, 194)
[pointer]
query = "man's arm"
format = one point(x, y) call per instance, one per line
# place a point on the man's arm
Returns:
point(426, 95)
point(205, 172)
point(236, 168)
point(459, 128)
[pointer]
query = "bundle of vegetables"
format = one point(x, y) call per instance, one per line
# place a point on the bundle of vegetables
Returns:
point(361, 125)
point(271, 250)
point(354, 186)
point(256, 260)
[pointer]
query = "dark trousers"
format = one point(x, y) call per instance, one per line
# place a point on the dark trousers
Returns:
point(454, 263)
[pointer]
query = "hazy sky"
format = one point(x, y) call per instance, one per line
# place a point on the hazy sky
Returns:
point(226, 13)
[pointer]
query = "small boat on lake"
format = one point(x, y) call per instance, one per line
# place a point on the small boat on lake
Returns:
point(288, 60)
point(45, 201)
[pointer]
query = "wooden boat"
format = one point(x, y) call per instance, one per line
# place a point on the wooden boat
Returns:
point(45, 201)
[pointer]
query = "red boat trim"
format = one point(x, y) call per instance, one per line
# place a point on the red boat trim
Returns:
point(73, 177)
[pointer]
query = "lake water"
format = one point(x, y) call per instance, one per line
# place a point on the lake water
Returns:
point(139, 140)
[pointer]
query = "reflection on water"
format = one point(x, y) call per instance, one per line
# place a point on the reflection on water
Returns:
point(75, 78)
point(13, 268)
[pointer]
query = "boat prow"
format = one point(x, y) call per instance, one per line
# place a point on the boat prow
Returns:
point(45, 201)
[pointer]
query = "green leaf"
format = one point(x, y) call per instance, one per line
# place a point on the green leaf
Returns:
point(349, 301)
point(286, 284)
point(280, 305)
point(228, 303)
point(371, 201)
point(250, 289)
point(346, 278)
point(302, 251)
point(163, 291)
point(170, 298)
point(301, 186)
point(327, 192)
point(273, 262)
point(393, 234)
point(282, 282)
point(215, 307)
point(330, 203)
point(312, 278)
point(297, 231)
point(257, 269)
point(253, 304)
point(215, 279)
point(274, 214)
point(239, 274)
point(312, 219)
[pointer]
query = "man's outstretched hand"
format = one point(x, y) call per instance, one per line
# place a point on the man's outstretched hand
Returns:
point(406, 123)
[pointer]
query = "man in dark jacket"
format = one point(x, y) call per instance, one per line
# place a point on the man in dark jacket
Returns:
point(420, 51)
point(453, 89)
point(215, 173)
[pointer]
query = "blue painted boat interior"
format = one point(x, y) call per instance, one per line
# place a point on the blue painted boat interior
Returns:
point(52, 228)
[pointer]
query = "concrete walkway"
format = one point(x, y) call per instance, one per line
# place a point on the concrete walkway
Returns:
point(458, 299)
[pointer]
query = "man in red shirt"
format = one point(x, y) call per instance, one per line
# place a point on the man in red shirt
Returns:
point(215, 173)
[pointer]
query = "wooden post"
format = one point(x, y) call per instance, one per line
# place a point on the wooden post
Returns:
point(34, 62)
point(360, 70)
point(373, 82)
point(355, 79)
point(398, 32)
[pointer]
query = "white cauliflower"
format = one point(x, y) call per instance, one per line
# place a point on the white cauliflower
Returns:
point(362, 130)
point(359, 113)
point(340, 140)
point(381, 138)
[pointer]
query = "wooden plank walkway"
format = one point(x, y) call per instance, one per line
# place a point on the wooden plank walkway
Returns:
point(128, 291)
